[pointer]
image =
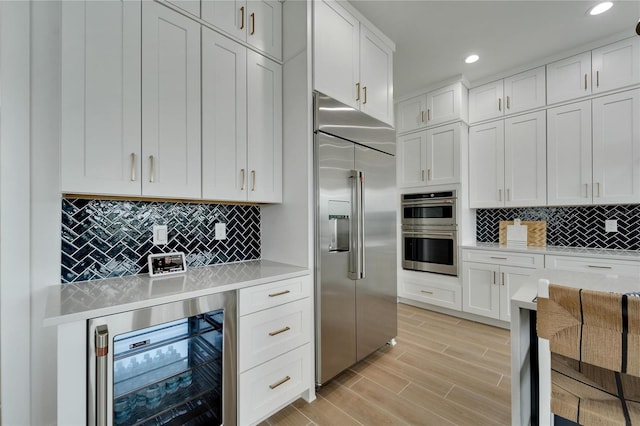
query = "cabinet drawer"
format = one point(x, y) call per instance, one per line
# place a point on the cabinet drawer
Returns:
point(268, 387)
point(257, 298)
point(272, 332)
point(448, 296)
point(504, 258)
point(587, 264)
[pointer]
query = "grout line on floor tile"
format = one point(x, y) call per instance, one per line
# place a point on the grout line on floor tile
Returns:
point(340, 409)
point(448, 392)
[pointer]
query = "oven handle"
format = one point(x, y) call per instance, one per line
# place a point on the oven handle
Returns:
point(414, 203)
point(429, 234)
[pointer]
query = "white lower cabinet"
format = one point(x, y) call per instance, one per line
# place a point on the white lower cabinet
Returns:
point(590, 264)
point(489, 282)
point(434, 289)
point(274, 347)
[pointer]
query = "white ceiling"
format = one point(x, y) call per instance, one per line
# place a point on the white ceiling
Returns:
point(433, 37)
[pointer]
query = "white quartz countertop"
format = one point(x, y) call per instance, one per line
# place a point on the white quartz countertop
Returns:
point(523, 298)
point(90, 299)
point(560, 251)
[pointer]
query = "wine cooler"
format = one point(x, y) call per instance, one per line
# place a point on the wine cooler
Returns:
point(171, 364)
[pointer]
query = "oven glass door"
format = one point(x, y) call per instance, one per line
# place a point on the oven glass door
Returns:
point(431, 252)
point(442, 213)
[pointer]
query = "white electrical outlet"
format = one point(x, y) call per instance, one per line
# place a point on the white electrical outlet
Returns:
point(611, 225)
point(220, 231)
point(160, 235)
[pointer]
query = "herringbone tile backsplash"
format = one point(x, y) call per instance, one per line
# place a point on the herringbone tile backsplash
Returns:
point(104, 238)
point(570, 226)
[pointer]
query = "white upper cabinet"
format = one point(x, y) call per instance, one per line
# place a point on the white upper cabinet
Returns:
point(507, 164)
point(486, 165)
point(569, 180)
point(101, 103)
point(171, 157)
point(433, 108)
point(351, 63)
point(525, 157)
point(411, 114)
point(224, 113)
point(616, 148)
point(616, 65)
point(569, 78)
point(264, 131)
point(256, 22)
point(430, 157)
point(485, 102)
point(521, 92)
point(376, 76)
point(524, 91)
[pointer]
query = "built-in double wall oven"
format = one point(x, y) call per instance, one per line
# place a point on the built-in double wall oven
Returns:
point(429, 232)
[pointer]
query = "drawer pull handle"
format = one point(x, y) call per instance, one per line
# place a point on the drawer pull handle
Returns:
point(282, 330)
point(599, 267)
point(280, 293)
point(425, 291)
point(499, 258)
point(283, 381)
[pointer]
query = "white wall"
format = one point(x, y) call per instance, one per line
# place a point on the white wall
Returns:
point(14, 214)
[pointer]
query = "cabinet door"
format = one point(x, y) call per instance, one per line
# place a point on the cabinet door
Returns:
point(411, 159)
point(525, 91)
point(481, 289)
point(569, 154)
point(264, 128)
point(443, 155)
point(525, 160)
point(444, 104)
point(101, 106)
point(616, 148)
point(485, 102)
point(486, 165)
point(376, 76)
point(411, 114)
point(336, 52)
point(224, 113)
point(511, 279)
point(171, 160)
point(228, 15)
point(616, 65)
point(264, 26)
point(569, 78)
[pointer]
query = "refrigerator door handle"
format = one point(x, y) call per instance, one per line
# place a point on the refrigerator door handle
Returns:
point(102, 349)
point(356, 251)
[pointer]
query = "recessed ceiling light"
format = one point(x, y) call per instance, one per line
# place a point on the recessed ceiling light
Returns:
point(600, 8)
point(471, 59)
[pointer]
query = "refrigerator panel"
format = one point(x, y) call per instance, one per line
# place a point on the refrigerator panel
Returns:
point(376, 293)
point(335, 292)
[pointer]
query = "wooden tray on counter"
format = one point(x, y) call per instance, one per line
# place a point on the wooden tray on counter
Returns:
point(536, 232)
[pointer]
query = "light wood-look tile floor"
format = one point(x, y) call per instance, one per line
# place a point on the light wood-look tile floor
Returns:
point(443, 371)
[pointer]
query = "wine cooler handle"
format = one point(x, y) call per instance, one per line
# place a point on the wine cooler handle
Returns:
point(102, 349)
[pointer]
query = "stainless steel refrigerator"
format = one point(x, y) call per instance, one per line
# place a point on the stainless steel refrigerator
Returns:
point(355, 271)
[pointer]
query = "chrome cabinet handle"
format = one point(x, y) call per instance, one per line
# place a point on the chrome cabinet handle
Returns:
point(494, 278)
point(597, 189)
point(242, 18)
point(599, 267)
point(358, 91)
point(597, 78)
point(428, 174)
point(422, 116)
point(253, 23)
point(275, 385)
point(152, 171)
point(364, 89)
point(497, 258)
point(586, 190)
point(502, 273)
point(508, 103)
point(280, 293)
point(585, 81)
point(133, 166)
point(282, 330)
point(243, 178)
point(499, 104)
point(429, 114)
point(253, 176)
point(425, 291)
